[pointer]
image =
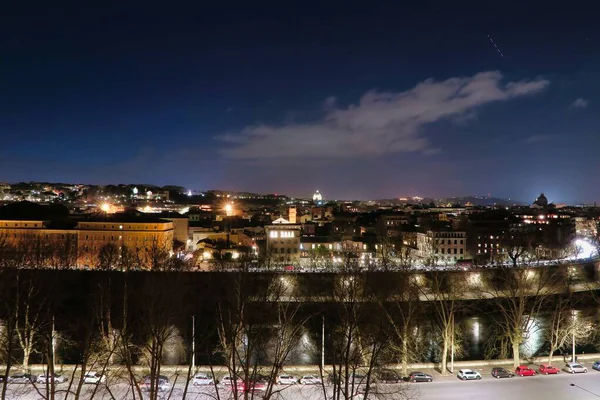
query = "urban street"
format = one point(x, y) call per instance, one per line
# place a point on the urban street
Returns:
point(540, 387)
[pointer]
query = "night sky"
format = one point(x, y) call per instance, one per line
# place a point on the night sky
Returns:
point(359, 100)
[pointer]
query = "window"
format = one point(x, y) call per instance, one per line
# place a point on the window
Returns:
point(461, 251)
point(442, 241)
point(273, 234)
point(455, 241)
point(455, 251)
point(461, 242)
point(86, 237)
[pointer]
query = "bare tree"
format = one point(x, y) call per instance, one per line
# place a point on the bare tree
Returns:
point(518, 293)
point(257, 324)
point(359, 338)
point(564, 325)
point(28, 313)
point(443, 291)
point(403, 315)
point(8, 329)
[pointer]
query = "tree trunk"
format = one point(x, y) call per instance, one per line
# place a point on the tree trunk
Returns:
point(27, 350)
point(516, 353)
point(551, 355)
point(445, 356)
point(405, 350)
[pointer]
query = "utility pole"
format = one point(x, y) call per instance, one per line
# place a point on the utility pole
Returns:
point(452, 355)
point(573, 333)
point(323, 346)
point(193, 344)
point(53, 346)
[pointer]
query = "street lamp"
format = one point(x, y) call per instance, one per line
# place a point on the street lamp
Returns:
point(573, 334)
point(229, 209)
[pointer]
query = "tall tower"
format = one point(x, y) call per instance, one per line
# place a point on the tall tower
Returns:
point(292, 214)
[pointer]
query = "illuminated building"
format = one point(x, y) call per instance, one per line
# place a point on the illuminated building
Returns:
point(84, 239)
point(446, 247)
point(317, 197)
point(283, 240)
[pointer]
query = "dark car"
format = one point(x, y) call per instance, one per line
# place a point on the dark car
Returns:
point(388, 376)
point(418, 376)
point(22, 378)
point(501, 373)
point(596, 366)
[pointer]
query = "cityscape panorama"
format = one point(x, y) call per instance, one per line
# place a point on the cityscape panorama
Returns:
point(293, 201)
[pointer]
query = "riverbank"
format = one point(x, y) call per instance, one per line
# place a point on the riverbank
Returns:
point(482, 366)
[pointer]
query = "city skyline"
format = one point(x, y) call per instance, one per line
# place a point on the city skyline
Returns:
point(359, 102)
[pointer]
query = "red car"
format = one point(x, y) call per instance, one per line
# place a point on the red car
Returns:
point(252, 387)
point(524, 370)
point(548, 369)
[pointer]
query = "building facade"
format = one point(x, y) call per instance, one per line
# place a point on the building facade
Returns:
point(78, 244)
point(283, 241)
point(442, 247)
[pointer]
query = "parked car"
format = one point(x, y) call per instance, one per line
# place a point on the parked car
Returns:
point(227, 381)
point(548, 369)
point(388, 376)
point(574, 367)
point(419, 377)
point(22, 378)
point(162, 383)
point(596, 366)
point(286, 380)
point(499, 372)
point(44, 378)
point(310, 380)
point(93, 378)
point(524, 370)
point(202, 379)
point(468, 375)
point(254, 386)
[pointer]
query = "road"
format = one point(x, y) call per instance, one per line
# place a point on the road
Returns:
point(541, 387)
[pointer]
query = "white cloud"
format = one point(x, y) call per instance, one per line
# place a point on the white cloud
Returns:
point(381, 122)
point(580, 103)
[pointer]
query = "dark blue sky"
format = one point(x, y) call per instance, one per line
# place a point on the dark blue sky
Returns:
point(359, 100)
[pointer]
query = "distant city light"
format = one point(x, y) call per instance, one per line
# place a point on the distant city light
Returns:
point(585, 249)
point(105, 207)
point(229, 209)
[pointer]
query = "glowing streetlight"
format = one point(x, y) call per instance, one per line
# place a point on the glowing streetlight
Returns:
point(105, 207)
point(229, 209)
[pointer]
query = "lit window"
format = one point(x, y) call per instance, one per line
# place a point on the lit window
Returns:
point(273, 234)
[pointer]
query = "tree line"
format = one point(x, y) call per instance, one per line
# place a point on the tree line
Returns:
point(119, 322)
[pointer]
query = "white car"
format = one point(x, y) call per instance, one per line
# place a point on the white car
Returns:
point(46, 378)
point(227, 381)
point(310, 380)
point(93, 378)
point(202, 379)
point(468, 374)
point(574, 367)
point(286, 380)
point(162, 383)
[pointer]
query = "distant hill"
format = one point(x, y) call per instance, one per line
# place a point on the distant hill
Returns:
point(454, 201)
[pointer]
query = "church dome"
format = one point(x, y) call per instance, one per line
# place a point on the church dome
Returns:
point(317, 196)
point(541, 201)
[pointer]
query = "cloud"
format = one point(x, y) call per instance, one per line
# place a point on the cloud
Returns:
point(381, 122)
point(580, 103)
